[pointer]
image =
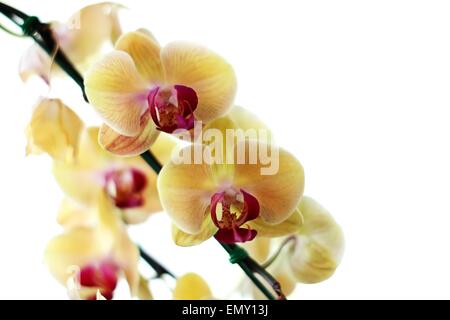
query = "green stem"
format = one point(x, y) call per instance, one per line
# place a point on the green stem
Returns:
point(151, 160)
point(242, 262)
point(42, 35)
point(156, 266)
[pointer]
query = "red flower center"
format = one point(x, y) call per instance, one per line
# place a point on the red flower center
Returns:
point(173, 107)
point(102, 276)
point(125, 186)
point(230, 210)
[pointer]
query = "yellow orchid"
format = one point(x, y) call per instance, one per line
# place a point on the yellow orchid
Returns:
point(80, 38)
point(232, 200)
point(90, 260)
point(191, 286)
point(130, 182)
point(80, 161)
point(319, 244)
point(140, 89)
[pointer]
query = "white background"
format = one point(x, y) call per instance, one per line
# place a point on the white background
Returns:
point(358, 90)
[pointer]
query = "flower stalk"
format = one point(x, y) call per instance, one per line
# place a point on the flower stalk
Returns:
point(42, 35)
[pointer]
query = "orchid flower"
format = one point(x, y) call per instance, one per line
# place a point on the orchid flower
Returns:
point(232, 201)
point(191, 286)
point(80, 161)
point(90, 260)
point(80, 38)
point(319, 245)
point(140, 89)
point(129, 182)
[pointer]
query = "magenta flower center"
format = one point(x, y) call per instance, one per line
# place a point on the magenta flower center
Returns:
point(230, 210)
point(173, 107)
point(125, 187)
point(102, 276)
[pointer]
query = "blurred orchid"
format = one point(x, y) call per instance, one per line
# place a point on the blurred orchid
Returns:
point(319, 245)
point(140, 89)
point(129, 182)
point(234, 202)
point(81, 38)
point(80, 161)
point(89, 260)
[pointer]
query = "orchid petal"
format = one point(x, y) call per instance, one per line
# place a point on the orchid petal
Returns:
point(183, 239)
point(118, 93)
point(72, 215)
point(185, 191)
point(278, 193)
point(144, 292)
point(35, 61)
point(258, 249)
point(191, 286)
point(289, 226)
point(211, 77)
point(55, 129)
point(145, 53)
point(129, 146)
point(83, 35)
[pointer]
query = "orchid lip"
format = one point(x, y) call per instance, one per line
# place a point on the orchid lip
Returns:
point(237, 208)
point(102, 276)
point(172, 107)
point(125, 187)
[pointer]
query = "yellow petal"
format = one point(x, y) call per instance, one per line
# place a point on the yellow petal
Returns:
point(124, 251)
point(287, 227)
point(147, 33)
point(258, 249)
point(84, 34)
point(191, 287)
point(278, 190)
point(183, 239)
point(320, 244)
point(246, 120)
point(144, 292)
point(90, 154)
point(118, 93)
point(55, 129)
point(145, 53)
point(240, 118)
point(185, 192)
point(70, 177)
point(211, 77)
point(237, 125)
point(77, 247)
point(72, 215)
point(163, 148)
point(129, 146)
